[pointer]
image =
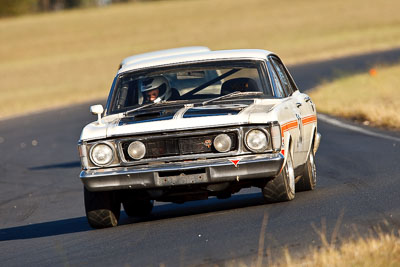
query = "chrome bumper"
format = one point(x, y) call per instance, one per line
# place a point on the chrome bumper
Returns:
point(185, 173)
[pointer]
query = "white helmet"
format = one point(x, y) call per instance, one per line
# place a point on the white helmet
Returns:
point(152, 83)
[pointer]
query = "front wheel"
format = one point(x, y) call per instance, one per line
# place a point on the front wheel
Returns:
point(102, 208)
point(282, 187)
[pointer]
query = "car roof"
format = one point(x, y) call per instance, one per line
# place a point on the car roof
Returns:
point(163, 53)
point(197, 57)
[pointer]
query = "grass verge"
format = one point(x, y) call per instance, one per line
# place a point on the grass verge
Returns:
point(372, 98)
point(382, 250)
point(49, 60)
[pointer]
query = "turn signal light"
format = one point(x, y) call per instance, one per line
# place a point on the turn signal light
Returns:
point(276, 137)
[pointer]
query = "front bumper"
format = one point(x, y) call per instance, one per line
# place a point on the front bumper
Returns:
point(183, 173)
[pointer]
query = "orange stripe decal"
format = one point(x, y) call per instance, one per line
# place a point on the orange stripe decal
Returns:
point(294, 124)
point(309, 119)
point(288, 126)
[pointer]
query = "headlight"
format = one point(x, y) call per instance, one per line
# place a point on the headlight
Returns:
point(222, 143)
point(256, 140)
point(136, 150)
point(101, 154)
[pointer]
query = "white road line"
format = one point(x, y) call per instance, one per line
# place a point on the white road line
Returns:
point(337, 123)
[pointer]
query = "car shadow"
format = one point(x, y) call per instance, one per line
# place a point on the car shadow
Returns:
point(171, 210)
point(65, 165)
point(166, 211)
point(45, 229)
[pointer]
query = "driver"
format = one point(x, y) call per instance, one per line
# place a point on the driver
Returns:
point(155, 89)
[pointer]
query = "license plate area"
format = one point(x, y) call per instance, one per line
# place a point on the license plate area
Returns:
point(170, 178)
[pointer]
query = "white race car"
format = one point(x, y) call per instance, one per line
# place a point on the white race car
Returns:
point(194, 125)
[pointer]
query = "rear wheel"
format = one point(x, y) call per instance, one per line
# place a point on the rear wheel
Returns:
point(138, 207)
point(102, 208)
point(308, 180)
point(282, 187)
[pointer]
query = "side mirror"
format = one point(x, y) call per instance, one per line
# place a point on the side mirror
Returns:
point(97, 110)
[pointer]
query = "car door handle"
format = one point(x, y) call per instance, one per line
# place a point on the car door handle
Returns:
point(298, 104)
point(307, 99)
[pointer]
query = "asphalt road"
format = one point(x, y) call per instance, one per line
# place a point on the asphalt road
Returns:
point(42, 218)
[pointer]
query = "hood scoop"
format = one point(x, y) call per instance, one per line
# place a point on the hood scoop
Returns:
point(146, 117)
point(214, 110)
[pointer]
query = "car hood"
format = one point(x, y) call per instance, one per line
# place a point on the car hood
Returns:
point(176, 118)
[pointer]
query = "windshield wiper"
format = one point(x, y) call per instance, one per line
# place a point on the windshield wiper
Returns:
point(236, 93)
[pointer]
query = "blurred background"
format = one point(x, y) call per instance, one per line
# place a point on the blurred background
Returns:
point(21, 7)
point(59, 52)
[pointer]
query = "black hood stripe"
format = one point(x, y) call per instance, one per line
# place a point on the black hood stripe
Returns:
point(198, 112)
point(193, 112)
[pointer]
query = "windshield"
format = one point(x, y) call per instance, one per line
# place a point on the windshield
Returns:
point(186, 83)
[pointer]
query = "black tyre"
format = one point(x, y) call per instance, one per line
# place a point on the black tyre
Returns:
point(138, 208)
point(282, 187)
point(102, 208)
point(308, 180)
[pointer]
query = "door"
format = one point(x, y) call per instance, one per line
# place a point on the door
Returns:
point(299, 106)
point(289, 116)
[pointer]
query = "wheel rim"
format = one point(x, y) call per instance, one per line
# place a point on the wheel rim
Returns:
point(290, 173)
point(313, 169)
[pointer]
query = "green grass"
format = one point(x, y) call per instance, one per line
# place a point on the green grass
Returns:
point(372, 99)
point(49, 60)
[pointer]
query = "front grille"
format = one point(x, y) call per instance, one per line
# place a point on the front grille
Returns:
point(178, 146)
